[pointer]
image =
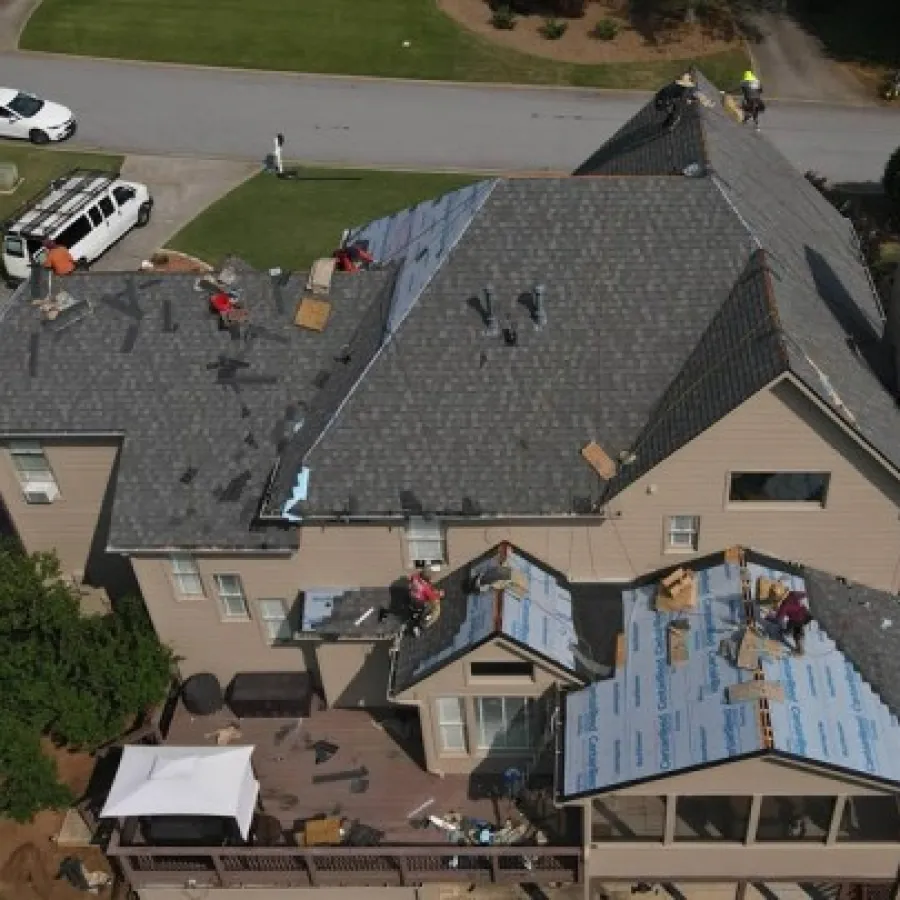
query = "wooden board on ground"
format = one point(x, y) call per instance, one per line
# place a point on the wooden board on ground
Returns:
point(756, 690)
point(312, 314)
point(597, 458)
point(621, 649)
point(678, 649)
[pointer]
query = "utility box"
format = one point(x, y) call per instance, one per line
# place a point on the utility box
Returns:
point(9, 176)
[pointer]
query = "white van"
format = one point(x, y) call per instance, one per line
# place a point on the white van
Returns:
point(86, 211)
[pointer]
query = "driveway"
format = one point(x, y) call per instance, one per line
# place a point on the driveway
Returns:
point(181, 190)
point(793, 66)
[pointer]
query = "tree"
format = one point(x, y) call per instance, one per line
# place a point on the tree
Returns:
point(78, 680)
point(891, 178)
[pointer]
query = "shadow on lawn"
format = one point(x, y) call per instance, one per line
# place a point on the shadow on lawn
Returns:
point(296, 174)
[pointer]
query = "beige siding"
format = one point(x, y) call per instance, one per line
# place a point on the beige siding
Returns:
point(455, 680)
point(356, 555)
point(68, 524)
point(355, 673)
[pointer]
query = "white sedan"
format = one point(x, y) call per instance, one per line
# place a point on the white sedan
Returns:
point(25, 116)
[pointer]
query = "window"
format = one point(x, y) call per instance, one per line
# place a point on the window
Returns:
point(106, 206)
point(33, 470)
point(95, 216)
point(186, 575)
point(712, 818)
point(231, 595)
point(794, 818)
point(5, 113)
point(779, 487)
point(425, 542)
point(682, 533)
point(628, 818)
point(14, 246)
point(870, 819)
point(123, 194)
point(508, 723)
point(502, 669)
point(451, 724)
point(76, 232)
point(276, 620)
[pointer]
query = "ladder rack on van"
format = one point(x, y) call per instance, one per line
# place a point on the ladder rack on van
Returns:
point(79, 187)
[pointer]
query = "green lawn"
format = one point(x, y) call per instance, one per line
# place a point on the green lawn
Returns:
point(349, 37)
point(37, 167)
point(272, 222)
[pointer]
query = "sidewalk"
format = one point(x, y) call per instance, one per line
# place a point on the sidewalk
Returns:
point(13, 16)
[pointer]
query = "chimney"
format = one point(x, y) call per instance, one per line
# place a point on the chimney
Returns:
point(539, 312)
point(490, 319)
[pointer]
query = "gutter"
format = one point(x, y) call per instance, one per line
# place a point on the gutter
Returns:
point(208, 551)
point(454, 519)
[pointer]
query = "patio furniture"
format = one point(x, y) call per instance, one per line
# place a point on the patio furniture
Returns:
point(271, 695)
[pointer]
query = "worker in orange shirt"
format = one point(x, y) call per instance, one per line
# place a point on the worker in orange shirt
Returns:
point(58, 259)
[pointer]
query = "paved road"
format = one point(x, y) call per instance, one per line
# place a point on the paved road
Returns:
point(211, 113)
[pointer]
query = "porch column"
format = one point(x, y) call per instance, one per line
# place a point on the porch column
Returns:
point(753, 823)
point(840, 804)
point(740, 890)
point(669, 827)
point(587, 822)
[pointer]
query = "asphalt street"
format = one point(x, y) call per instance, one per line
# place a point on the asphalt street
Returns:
point(150, 109)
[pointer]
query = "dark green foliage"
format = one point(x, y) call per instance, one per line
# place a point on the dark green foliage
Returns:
point(567, 9)
point(553, 29)
point(503, 18)
point(606, 30)
point(79, 680)
point(891, 178)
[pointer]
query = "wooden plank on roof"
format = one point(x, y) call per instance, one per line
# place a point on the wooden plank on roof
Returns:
point(598, 460)
point(621, 649)
point(677, 643)
point(756, 690)
point(312, 314)
point(733, 555)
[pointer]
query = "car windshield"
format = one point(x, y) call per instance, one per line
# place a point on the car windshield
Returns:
point(25, 105)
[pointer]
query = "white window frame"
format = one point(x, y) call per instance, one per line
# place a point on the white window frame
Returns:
point(227, 594)
point(186, 576)
point(531, 709)
point(682, 534)
point(266, 620)
point(426, 542)
point(451, 722)
point(39, 479)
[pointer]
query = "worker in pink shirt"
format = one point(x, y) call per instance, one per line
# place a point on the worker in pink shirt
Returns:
point(424, 597)
point(792, 617)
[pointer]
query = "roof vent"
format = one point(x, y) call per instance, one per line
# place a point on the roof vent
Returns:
point(490, 317)
point(510, 335)
point(538, 312)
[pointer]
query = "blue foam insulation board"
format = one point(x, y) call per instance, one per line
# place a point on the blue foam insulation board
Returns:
point(652, 719)
point(419, 238)
point(542, 618)
point(477, 625)
point(829, 715)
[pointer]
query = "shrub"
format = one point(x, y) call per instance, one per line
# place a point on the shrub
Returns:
point(553, 29)
point(503, 18)
point(891, 179)
point(606, 30)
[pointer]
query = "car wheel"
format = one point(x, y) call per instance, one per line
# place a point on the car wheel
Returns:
point(143, 216)
point(36, 136)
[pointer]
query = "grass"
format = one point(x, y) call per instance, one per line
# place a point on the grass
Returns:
point(289, 223)
point(348, 37)
point(38, 167)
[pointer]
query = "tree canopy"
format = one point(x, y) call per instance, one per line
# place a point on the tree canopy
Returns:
point(891, 178)
point(78, 680)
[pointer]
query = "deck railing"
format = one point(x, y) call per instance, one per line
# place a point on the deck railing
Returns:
point(343, 866)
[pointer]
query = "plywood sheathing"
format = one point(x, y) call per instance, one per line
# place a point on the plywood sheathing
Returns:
point(677, 643)
point(769, 592)
point(595, 456)
point(733, 556)
point(621, 649)
point(756, 690)
point(518, 584)
point(753, 646)
point(312, 314)
point(320, 274)
point(677, 592)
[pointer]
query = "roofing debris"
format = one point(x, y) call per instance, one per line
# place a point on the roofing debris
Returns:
point(598, 460)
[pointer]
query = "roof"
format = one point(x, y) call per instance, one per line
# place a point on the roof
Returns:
point(200, 417)
point(683, 272)
point(184, 781)
point(540, 612)
point(352, 612)
point(653, 719)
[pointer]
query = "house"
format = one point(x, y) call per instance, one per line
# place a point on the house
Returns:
point(576, 380)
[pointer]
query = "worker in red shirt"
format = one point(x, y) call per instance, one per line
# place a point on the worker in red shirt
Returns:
point(424, 597)
point(792, 617)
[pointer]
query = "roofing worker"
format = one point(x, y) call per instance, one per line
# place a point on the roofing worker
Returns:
point(793, 616)
point(751, 94)
point(58, 259)
point(424, 599)
point(673, 97)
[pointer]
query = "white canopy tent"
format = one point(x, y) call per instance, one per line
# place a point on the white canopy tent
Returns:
point(184, 781)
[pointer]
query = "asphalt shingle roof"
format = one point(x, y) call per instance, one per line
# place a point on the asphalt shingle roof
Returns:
point(684, 270)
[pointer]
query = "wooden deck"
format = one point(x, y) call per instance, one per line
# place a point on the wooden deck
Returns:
point(386, 745)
